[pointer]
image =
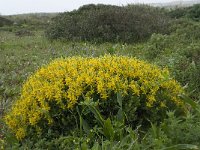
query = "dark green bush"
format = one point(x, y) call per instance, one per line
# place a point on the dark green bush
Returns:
point(107, 23)
point(4, 22)
point(192, 12)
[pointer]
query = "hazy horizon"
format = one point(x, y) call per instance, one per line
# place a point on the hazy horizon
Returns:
point(12, 7)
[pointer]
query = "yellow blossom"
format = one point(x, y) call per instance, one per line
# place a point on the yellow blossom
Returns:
point(64, 82)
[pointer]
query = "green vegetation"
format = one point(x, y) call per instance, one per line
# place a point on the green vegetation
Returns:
point(180, 52)
point(105, 23)
point(38, 20)
point(192, 12)
point(4, 21)
point(107, 118)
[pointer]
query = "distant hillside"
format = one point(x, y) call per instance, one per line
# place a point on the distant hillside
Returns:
point(176, 4)
point(32, 18)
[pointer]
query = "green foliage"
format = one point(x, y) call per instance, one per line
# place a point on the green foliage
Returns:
point(174, 133)
point(33, 20)
point(192, 12)
point(106, 23)
point(5, 22)
point(180, 52)
point(157, 45)
point(182, 130)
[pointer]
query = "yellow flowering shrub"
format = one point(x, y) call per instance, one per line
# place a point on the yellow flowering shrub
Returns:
point(58, 87)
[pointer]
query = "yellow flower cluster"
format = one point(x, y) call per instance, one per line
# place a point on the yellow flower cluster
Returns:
point(65, 81)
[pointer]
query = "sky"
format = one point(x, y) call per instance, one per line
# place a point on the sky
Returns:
point(9, 7)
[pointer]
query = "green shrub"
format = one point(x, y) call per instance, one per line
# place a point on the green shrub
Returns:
point(180, 52)
point(192, 12)
point(106, 23)
point(182, 130)
point(173, 133)
point(157, 46)
point(183, 33)
point(5, 22)
point(187, 69)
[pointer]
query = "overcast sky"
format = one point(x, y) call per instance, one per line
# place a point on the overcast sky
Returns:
point(8, 7)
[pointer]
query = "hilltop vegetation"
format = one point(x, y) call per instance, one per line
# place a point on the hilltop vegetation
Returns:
point(32, 19)
point(192, 12)
point(176, 4)
point(86, 80)
point(106, 23)
point(37, 21)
